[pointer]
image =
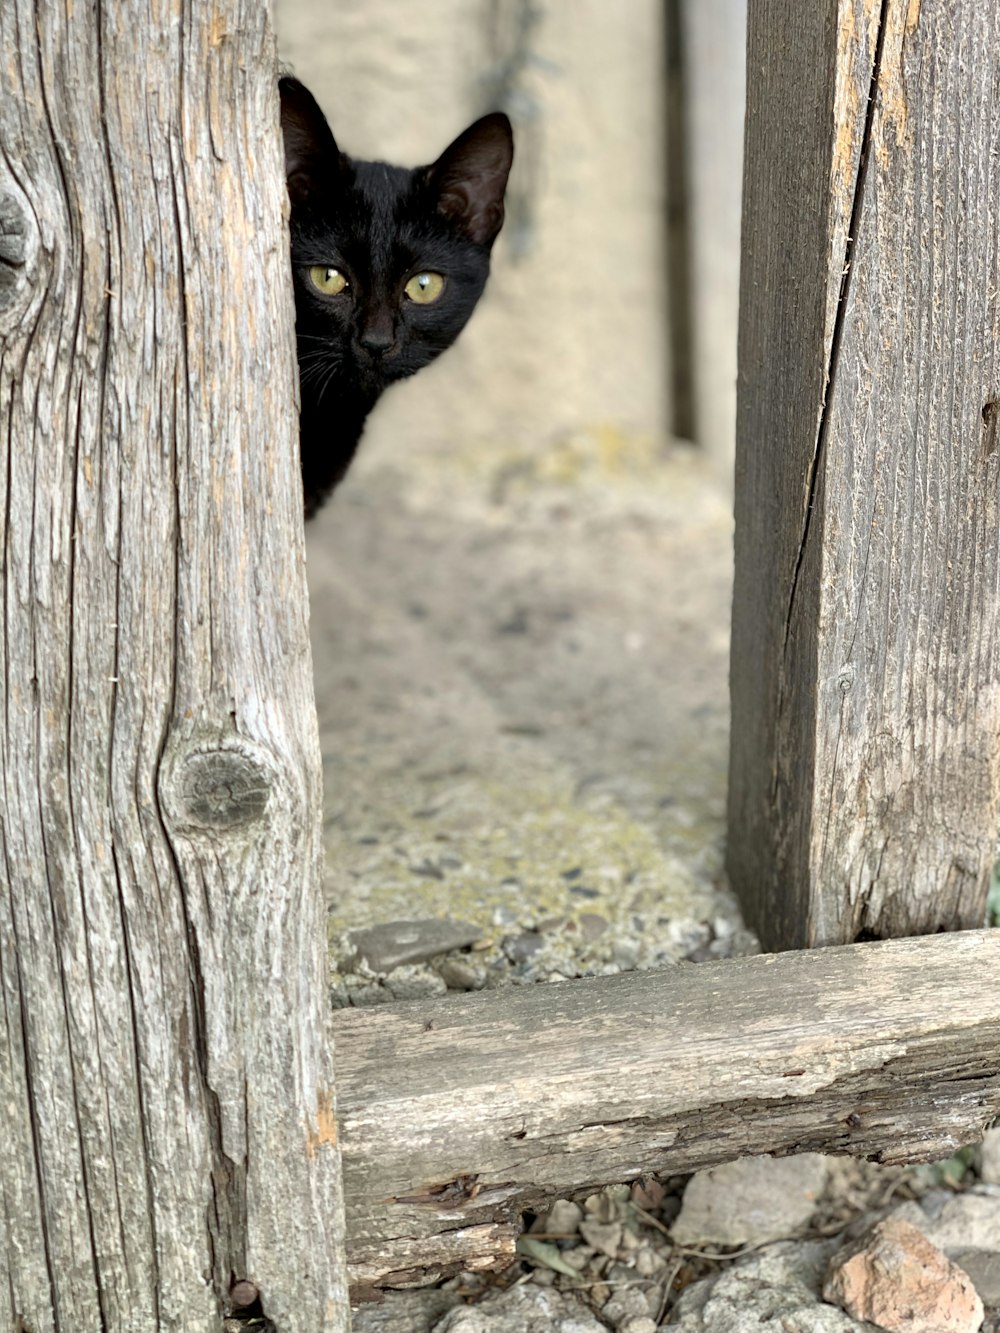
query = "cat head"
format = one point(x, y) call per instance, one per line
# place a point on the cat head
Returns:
point(388, 262)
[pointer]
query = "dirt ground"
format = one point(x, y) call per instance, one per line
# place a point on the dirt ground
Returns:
point(521, 672)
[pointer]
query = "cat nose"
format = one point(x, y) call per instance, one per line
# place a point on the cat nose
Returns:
point(376, 340)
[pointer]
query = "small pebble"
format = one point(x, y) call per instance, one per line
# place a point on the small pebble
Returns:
point(592, 925)
point(626, 954)
point(366, 997)
point(579, 1257)
point(604, 1236)
point(414, 983)
point(647, 1262)
point(543, 1277)
point(519, 948)
point(564, 1218)
point(625, 1304)
point(460, 975)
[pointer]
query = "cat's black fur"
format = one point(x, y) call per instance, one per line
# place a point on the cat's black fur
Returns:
point(379, 226)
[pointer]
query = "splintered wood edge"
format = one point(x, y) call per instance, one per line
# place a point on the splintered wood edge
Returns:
point(460, 1113)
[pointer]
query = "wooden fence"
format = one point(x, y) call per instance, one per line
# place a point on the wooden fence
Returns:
point(169, 1152)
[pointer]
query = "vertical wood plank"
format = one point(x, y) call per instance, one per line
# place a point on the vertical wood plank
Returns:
point(864, 793)
point(165, 1081)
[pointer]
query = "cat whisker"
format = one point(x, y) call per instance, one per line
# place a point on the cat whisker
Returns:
point(324, 386)
point(318, 374)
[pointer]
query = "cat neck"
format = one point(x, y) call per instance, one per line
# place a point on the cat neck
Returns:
point(330, 428)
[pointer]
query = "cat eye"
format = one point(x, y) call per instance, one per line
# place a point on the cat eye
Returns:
point(329, 281)
point(424, 288)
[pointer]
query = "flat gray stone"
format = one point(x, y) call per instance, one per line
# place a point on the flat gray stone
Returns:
point(527, 1309)
point(751, 1201)
point(387, 946)
point(404, 1312)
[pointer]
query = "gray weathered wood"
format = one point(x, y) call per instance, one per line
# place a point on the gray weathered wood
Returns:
point(459, 1113)
point(165, 1085)
point(865, 782)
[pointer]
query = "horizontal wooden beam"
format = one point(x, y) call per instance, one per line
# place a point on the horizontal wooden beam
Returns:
point(457, 1114)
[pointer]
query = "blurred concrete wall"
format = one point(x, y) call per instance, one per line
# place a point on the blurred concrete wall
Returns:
point(714, 58)
point(570, 339)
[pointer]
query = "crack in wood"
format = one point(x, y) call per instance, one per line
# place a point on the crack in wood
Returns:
point(813, 473)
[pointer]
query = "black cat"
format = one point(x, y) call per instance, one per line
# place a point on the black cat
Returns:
point(388, 265)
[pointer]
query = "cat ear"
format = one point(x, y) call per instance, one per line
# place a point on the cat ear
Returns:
point(470, 177)
point(312, 158)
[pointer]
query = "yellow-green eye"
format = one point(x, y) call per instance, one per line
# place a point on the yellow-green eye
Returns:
point(329, 281)
point(425, 288)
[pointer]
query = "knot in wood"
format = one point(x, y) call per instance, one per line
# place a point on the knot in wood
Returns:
point(13, 245)
point(223, 788)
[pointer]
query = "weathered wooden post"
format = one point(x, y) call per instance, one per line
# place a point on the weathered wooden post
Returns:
point(166, 1094)
point(865, 784)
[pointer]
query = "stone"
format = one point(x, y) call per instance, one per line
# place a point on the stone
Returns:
point(989, 1157)
point(626, 954)
point(983, 1268)
point(751, 1201)
point(647, 1261)
point(592, 925)
point(384, 947)
point(403, 1312)
point(956, 1222)
point(626, 1304)
point(367, 997)
point(519, 948)
point(563, 1219)
point(525, 1309)
point(777, 1288)
point(603, 1236)
point(894, 1277)
point(967, 1228)
point(458, 974)
point(414, 982)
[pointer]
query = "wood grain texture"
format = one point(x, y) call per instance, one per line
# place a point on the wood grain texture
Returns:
point(865, 783)
point(164, 1073)
point(459, 1114)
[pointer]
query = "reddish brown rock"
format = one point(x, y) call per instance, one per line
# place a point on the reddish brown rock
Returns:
point(896, 1278)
